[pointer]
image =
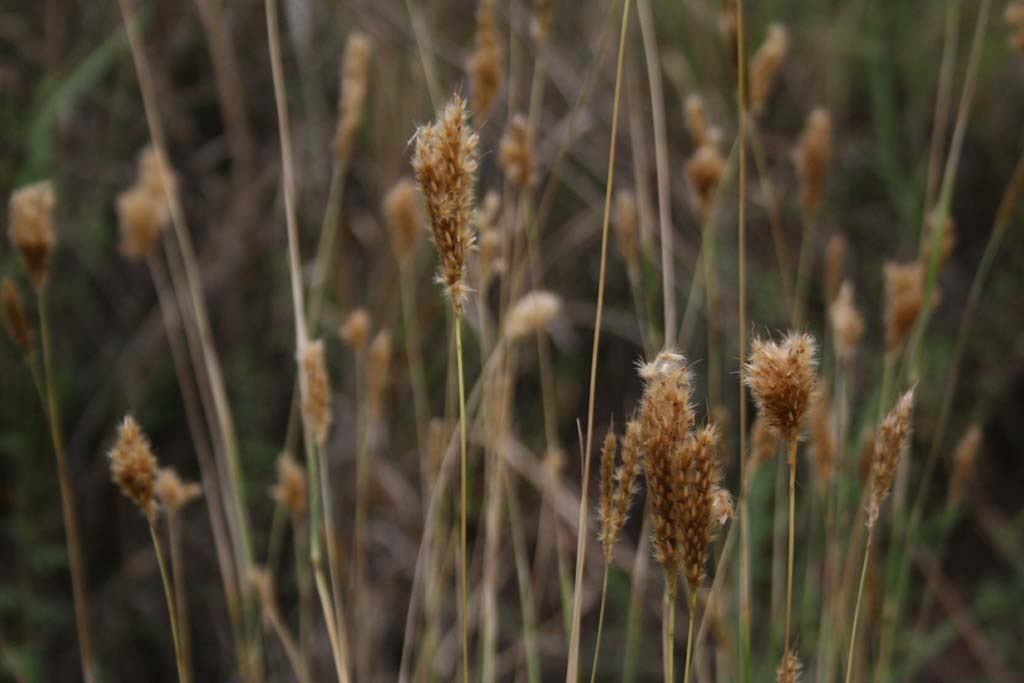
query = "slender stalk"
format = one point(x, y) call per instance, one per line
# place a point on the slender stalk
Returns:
point(330, 537)
point(419, 32)
point(789, 564)
point(462, 499)
point(414, 353)
point(291, 650)
point(856, 609)
point(600, 622)
point(67, 500)
point(670, 637)
point(300, 540)
point(689, 636)
point(169, 595)
point(180, 591)
point(323, 591)
point(325, 247)
point(572, 669)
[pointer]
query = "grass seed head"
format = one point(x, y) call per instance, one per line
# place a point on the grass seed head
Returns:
point(172, 492)
point(890, 442)
point(14, 317)
point(813, 154)
point(445, 162)
point(355, 67)
point(782, 377)
point(607, 484)
point(31, 227)
point(402, 213)
point(904, 292)
point(765, 66)
point(847, 323)
point(835, 259)
point(965, 457)
point(378, 375)
point(485, 64)
point(316, 399)
point(697, 121)
point(696, 479)
point(515, 154)
point(142, 217)
point(540, 22)
point(355, 331)
point(290, 489)
point(790, 668)
point(704, 171)
point(626, 227)
point(947, 240)
point(133, 467)
point(532, 313)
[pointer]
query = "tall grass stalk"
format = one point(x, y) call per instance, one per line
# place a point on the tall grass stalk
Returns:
point(67, 497)
point(689, 637)
point(600, 623)
point(856, 609)
point(463, 590)
point(572, 669)
point(169, 595)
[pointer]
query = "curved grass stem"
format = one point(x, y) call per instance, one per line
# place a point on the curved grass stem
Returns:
point(169, 595)
point(600, 623)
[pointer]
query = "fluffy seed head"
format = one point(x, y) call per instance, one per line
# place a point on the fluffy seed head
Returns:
point(445, 163)
point(316, 399)
point(812, 157)
point(402, 213)
point(142, 216)
point(696, 482)
point(31, 227)
point(704, 171)
point(904, 292)
point(290, 489)
point(789, 669)
point(782, 376)
point(765, 66)
point(617, 494)
point(378, 374)
point(173, 493)
point(847, 323)
point(607, 483)
point(355, 67)
point(355, 331)
point(515, 154)
point(532, 313)
point(822, 439)
point(155, 176)
point(722, 509)
point(964, 459)
point(890, 442)
point(625, 227)
point(133, 467)
point(485, 65)
point(14, 317)
point(835, 257)
point(697, 121)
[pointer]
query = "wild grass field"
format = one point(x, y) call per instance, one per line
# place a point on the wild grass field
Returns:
point(451, 340)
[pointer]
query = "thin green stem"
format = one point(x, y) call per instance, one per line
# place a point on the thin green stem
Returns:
point(600, 623)
point(670, 638)
point(689, 636)
point(789, 563)
point(463, 601)
point(856, 609)
point(169, 595)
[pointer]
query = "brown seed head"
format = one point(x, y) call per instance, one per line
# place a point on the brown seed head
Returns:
point(290, 489)
point(904, 291)
point(355, 331)
point(445, 163)
point(172, 492)
point(155, 177)
point(532, 313)
point(402, 213)
point(142, 216)
point(782, 376)
point(316, 399)
point(704, 171)
point(964, 459)
point(607, 483)
point(789, 669)
point(540, 23)
point(625, 227)
point(485, 65)
point(378, 374)
point(697, 121)
point(722, 509)
point(890, 443)
point(515, 154)
point(835, 257)
point(847, 323)
point(1014, 13)
point(765, 66)
point(822, 438)
point(14, 317)
point(812, 157)
point(355, 67)
point(31, 227)
point(133, 467)
point(696, 482)
point(947, 240)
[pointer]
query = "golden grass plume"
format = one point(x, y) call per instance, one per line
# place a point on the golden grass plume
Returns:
point(31, 227)
point(133, 467)
point(355, 66)
point(782, 377)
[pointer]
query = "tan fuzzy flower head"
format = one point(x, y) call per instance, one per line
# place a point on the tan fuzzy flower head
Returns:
point(782, 377)
point(890, 442)
point(355, 66)
point(14, 317)
point(31, 227)
point(696, 481)
point(316, 399)
point(484, 65)
point(964, 459)
point(847, 323)
point(172, 492)
point(697, 120)
point(789, 669)
point(290, 488)
point(515, 154)
point(765, 66)
point(133, 467)
point(904, 293)
point(445, 162)
point(704, 171)
point(156, 177)
point(606, 480)
point(402, 213)
point(813, 154)
point(142, 216)
point(355, 331)
point(835, 259)
point(378, 373)
point(618, 484)
point(532, 313)
point(626, 227)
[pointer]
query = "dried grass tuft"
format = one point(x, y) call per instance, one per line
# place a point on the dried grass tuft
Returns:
point(904, 292)
point(355, 67)
point(290, 488)
point(316, 399)
point(133, 467)
point(355, 331)
point(402, 213)
point(890, 442)
point(173, 493)
point(485, 64)
point(789, 669)
point(532, 313)
point(847, 323)
point(765, 66)
point(515, 154)
point(31, 227)
point(965, 458)
point(821, 437)
point(782, 377)
point(704, 171)
point(812, 157)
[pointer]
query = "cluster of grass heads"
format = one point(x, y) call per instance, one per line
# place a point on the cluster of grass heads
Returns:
point(429, 404)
